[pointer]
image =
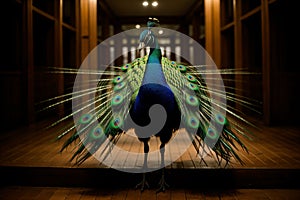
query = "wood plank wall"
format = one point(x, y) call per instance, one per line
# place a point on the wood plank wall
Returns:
point(229, 43)
point(254, 34)
point(41, 36)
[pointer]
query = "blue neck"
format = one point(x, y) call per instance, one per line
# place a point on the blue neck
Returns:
point(154, 73)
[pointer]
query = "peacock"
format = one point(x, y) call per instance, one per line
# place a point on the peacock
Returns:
point(156, 97)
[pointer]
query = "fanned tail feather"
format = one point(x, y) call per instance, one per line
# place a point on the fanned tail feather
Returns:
point(215, 132)
point(213, 129)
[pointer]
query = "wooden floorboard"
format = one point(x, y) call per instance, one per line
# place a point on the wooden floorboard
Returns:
point(57, 193)
point(30, 156)
point(271, 147)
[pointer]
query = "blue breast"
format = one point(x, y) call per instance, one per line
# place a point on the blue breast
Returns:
point(154, 90)
point(149, 95)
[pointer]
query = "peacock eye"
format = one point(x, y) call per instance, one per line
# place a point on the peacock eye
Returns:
point(119, 86)
point(118, 79)
point(192, 100)
point(117, 100)
point(211, 133)
point(117, 122)
point(85, 118)
point(97, 132)
point(220, 119)
point(193, 86)
point(193, 122)
point(191, 78)
point(182, 68)
point(125, 67)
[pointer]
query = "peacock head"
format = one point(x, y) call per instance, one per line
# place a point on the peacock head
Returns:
point(152, 22)
point(147, 39)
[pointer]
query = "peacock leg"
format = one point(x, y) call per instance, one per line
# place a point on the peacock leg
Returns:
point(162, 183)
point(144, 182)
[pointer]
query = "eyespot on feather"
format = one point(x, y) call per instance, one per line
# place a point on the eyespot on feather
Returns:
point(85, 118)
point(118, 79)
point(193, 122)
point(211, 133)
point(119, 86)
point(191, 78)
point(192, 100)
point(125, 67)
point(182, 68)
point(221, 119)
point(116, 122)
point(97, 132)
point(117, 100)
point(193, 86)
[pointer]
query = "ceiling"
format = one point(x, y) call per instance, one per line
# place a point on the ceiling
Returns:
point(126, 8)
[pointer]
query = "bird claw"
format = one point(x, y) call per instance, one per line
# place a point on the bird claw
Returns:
point(162, 185)
point(142, 185)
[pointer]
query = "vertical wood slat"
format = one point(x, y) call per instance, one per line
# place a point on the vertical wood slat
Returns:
point(213, 30)
point(29, 66)
point(208, 27)
point(217, 33)
point(212, 39)
point(78, 33)
point(84, 28)
point(238, 56)
point(58, 46)
point(88, 25)
point(266, 61)
point(93, 24)
point(84, 23)
point(88, 36)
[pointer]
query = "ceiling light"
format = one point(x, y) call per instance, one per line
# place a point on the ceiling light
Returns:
point(145, 3)
point(154, 3)
point(160, 32)
point(137, 26)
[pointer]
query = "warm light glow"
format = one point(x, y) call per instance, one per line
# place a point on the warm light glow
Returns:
point(137, 26)
point(145, 3)
point(154, 3)
point(160, 32)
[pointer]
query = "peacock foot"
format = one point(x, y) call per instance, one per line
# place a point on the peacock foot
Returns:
point(143, 184)
point(162, 185)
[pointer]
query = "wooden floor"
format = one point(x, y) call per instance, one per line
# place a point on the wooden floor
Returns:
point(271, 147)
point(54, 193)
point(30, 154)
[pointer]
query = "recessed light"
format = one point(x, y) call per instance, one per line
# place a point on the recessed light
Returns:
point(145, 3)
point(160, 32)
point(154, 3)
point(137, 26)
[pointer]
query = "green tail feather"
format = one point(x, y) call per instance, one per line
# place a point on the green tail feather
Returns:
point(193, 99)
